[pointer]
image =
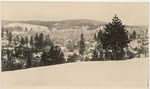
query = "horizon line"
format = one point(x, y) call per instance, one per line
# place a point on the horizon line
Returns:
point(72, 19)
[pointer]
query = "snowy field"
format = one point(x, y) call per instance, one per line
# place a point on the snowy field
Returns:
point(129, 74)
point(23, 25)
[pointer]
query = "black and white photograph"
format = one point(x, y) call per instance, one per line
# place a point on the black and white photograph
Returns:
point(74, 45)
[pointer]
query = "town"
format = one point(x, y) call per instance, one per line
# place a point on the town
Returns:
point(27, 45)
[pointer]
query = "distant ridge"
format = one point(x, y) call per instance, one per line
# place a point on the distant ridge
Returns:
point(92, 24)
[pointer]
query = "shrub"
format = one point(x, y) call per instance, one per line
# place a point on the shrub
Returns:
point(73, 58)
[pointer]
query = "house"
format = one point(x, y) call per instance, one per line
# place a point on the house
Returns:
point(67, 54)
point(5, 49)
point(37, 56)
point(76, 51)
point(64, 49)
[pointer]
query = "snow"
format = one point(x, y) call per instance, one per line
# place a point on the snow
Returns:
point(127, 74)
point(25, 25)
point(36, 28)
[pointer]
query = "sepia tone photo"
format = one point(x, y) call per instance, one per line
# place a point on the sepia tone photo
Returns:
point(74, 45)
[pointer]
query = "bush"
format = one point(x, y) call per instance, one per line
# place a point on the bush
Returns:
point(10, 65)
point(73, 58)
point(36, 63)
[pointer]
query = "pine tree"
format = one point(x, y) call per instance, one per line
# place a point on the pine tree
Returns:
point(70, 45)
point(82, 45)
point(15, 41)
point(36, 37)
point(37, 40)
point(94, 56)
point(41, 40)
point(22, 42)
point(10, 37)
point(115, 36)
point(26, 40)
point(51, 42)
point(52, 53)
point(28, 55)
point(48, 42)
point(31, 41)
point(134, 34)
point(95, 37)
point(7, 33)
point(26, 29)
point(100, 36)
point(44, 58)
point(17, 38)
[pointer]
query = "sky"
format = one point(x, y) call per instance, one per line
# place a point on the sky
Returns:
point(131, 13)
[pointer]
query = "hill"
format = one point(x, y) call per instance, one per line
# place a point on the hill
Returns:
point(61, 24)
point(91, 24)
point(128, 74)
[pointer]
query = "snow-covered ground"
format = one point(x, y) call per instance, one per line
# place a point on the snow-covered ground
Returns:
point(23, 25)
point(129, 74)
point(35, 28)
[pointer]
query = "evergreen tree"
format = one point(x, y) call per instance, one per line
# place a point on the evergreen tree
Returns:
point(17, 38)
point(101, 56)
point(100, 36)
point(37, 40)
point(115, 36)
point(26, 40)
point(26, 29)
point(94, 56)
point(58, 55)
point(31, 41)
point(52, 54)
point(48, 42)
point(41, 40)
point(10, 37)
point(51, 42)
point(36, 36)
point(82, 45)
point(28, 55)
point(22, 42)
point(134, 34)
point(44, 58)
point(95, 37)
point(98, 47)
point(7, 33)
point(70, 45)
point(15, 41)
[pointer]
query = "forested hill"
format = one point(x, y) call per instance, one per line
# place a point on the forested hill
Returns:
point(92, 24)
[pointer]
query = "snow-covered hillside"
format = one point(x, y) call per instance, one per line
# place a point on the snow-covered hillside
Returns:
point(128, 74)
point(25, 25)
point(35, 28)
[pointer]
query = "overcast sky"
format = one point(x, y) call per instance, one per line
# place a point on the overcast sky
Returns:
point(129, 13)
